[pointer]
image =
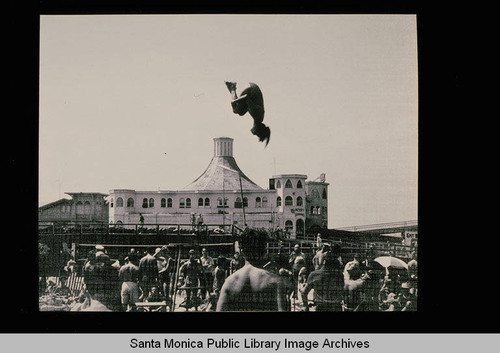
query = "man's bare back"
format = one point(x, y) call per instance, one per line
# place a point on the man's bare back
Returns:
point(253, 289)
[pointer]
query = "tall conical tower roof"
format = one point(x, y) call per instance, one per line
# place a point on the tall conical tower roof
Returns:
point(223, 171)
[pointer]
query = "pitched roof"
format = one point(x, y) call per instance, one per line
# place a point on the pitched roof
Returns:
point(217, 177)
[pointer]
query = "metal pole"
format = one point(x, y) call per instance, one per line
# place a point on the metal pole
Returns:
point(242, 202)
point(176, 279)
point(223, 203)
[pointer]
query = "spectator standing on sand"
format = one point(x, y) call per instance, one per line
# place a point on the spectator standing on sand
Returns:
point(148, 272)
point(129, 276)
point(237, 262)
point(191, 272)
point(207, 278)
point(328, 284)
point(252, 288)
point(166, 266)
point(219, 278)
point(102, 284)
point(319, 256)
point(296, 261)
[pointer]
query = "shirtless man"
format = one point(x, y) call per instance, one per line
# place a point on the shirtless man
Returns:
point(250, 101)
point(191, 272)
point(252, 288)
point(129, 276)
point(327, 283)
point(148, 272)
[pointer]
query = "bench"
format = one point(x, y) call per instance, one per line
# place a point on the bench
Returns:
point(150, 305)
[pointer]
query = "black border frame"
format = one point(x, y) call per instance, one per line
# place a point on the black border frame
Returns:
point(440, 308)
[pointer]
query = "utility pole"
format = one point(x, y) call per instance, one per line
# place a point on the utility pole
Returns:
point(241, 191)
point(242, 202)
point(223, 203)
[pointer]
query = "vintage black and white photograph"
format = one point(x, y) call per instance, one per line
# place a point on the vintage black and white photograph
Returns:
point(228, 163)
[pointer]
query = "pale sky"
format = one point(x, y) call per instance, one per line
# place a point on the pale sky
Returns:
point(134, 101)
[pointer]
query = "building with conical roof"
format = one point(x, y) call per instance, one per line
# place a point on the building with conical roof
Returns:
point(223, 171)
point(223, 195)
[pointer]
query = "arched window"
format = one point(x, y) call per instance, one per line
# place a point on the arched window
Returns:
point(200, 202)
point(318, 210)
point(182, 203)
point(299, 185)
point(144, 203)
point(264, 201)
point(288, 226)
point(169, 203)
point(258, 202)
point(111, 203)
point(288, 184)
point(151, 202)
point(188, 203)
point(315, 194)
point(79, 207)
point(278, 201)
point(278, 184)
point(86, 207)
point(237, 203)
point(288, 201)
point(299, 201)
point(130, 202)
point(119, 202)
point(313, 210)
point(163, 202)
point(299, 227)
point(207, 202)
point(324, 193)
point(245, 202)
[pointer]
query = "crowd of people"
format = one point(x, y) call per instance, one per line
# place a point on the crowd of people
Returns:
point(147, 278)
point(328, 279)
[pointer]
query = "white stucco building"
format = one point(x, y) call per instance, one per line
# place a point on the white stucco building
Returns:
point(224, 195)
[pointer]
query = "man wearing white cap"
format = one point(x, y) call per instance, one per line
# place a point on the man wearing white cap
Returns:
point(99, 247)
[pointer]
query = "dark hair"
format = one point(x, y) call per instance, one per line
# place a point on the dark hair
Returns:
point(331, 262)
point(336, 249)
point(221, 261)
point(101, 280)
point(253, 244)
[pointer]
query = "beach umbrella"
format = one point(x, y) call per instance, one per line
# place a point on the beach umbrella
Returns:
point(391, 261)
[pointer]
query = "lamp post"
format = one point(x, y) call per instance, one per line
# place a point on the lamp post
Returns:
point(241, 191)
